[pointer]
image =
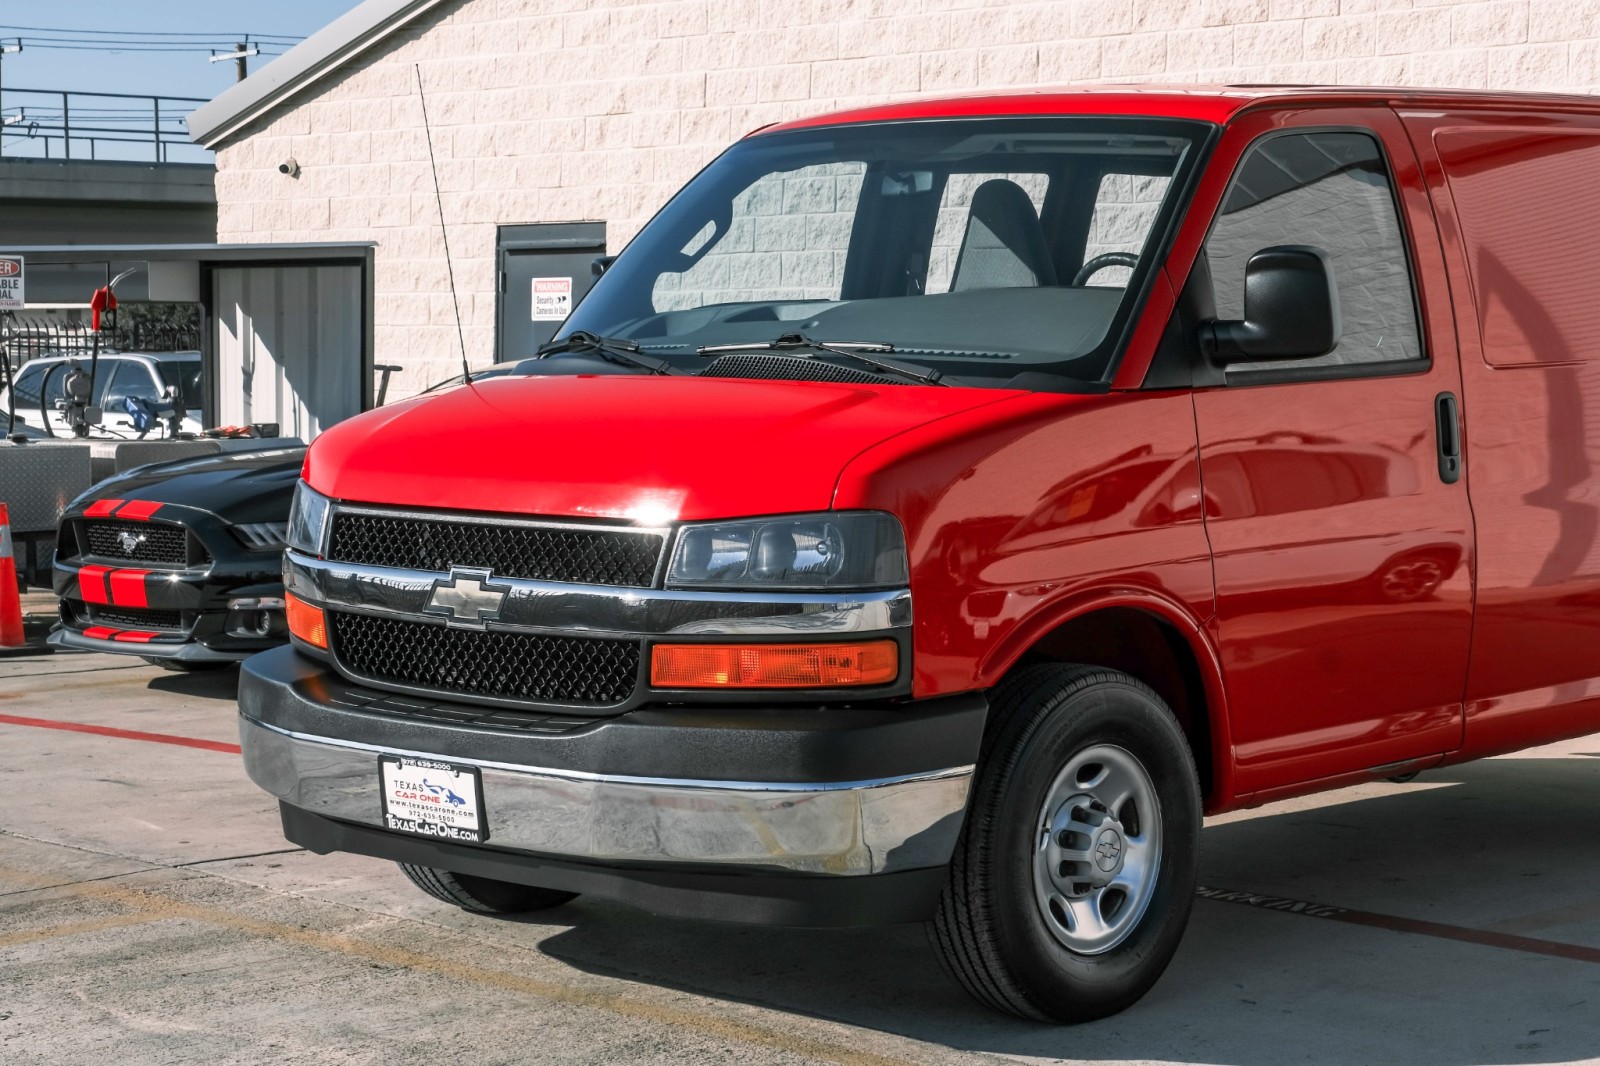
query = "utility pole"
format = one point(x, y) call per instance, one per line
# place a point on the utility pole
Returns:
point(5, 49)
point(242, 52)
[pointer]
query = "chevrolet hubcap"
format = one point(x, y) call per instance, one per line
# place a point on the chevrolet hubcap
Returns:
point(1099, 849)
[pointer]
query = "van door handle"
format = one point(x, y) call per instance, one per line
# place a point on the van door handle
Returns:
point(1447, 423)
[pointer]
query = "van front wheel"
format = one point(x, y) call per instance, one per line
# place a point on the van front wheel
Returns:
point(1075, 873)
point(483, 895)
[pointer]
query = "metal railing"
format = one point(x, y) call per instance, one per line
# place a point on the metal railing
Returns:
point(52, 124)
point(22, 338)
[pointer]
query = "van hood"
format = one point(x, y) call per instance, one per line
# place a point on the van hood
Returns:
point(642, 449)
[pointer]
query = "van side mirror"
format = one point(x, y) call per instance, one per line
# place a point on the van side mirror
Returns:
point(1291, 309)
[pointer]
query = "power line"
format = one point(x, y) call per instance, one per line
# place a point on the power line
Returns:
point(153, 33)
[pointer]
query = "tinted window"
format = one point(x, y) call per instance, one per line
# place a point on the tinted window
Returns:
point(129, 379)
point(28, 381)
point(32, 378)
point(1331, 191)
point(183, 376)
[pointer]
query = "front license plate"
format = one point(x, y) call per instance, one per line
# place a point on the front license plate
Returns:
point(432, 799)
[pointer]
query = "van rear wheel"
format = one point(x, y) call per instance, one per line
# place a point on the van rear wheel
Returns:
point(1075, 872)
point(483, 895)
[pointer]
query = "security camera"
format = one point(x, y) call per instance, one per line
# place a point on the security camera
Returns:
point(289, 167)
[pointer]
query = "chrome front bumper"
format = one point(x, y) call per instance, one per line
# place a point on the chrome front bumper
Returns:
point(840, 828)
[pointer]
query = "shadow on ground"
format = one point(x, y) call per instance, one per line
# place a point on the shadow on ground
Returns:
point(216, 683)
point(1508, 845)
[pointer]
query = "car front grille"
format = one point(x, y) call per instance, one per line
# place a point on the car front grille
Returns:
point(138, 542)
point(135, 617)
point(540, 553)
point(494, 664)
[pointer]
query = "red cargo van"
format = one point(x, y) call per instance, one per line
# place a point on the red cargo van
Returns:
point(938, 507)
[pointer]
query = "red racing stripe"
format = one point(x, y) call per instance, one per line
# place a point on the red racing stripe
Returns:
point(139, 510)
point(127, 588)
point(92, 584)
point(102, 508)
point(101, 632)
point(135, 637)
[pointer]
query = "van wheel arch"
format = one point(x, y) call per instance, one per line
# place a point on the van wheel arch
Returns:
point(1152, 649)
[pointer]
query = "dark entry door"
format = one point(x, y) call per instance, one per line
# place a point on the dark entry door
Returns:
point(545, 268)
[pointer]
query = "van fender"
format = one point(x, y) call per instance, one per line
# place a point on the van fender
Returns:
point(1051, 616)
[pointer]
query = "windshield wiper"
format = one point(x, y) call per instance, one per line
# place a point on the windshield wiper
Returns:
point(611, 349)
point(792, 343)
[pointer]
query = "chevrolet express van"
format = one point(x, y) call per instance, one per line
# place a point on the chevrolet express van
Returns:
point(938, 507)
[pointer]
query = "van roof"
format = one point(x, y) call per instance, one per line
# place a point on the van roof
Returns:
point(1206, 103)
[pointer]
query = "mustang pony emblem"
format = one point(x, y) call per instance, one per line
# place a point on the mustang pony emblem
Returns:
point(129, 542)
point(467, 598)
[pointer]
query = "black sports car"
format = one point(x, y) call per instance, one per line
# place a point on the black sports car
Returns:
point(179, 562)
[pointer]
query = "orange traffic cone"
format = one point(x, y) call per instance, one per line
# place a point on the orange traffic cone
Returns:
point(10, 599)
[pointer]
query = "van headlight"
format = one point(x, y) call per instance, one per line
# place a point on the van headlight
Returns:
point(308, 519)
point(829, 550)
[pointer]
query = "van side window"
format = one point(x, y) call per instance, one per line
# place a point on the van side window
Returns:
point(1331, 191)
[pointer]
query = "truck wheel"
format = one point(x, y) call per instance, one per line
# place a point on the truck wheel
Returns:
point(483, 895)
point(1075, 872)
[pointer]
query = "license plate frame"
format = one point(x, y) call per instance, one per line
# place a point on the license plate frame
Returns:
point(448, 806)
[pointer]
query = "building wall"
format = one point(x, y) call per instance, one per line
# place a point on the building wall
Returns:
point(555, 110)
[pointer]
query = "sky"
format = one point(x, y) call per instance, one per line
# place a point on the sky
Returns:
point(98, 50)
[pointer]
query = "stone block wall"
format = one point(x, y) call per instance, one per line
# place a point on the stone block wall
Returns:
point(555, 110)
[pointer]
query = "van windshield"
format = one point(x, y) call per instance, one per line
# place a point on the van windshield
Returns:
point(982, 247)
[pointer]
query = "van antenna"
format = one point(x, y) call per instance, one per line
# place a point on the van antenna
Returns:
point(444, 234)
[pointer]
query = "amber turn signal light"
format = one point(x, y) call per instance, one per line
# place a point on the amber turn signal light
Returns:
point(305, 621)
point(875, 662)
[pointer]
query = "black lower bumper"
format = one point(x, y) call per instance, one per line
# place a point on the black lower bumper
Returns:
point(750, 897)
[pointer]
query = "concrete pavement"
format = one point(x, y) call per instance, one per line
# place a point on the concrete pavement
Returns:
point(150, 912)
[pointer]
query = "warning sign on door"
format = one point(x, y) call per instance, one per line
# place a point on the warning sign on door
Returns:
point(11, 283)
point(552, 299)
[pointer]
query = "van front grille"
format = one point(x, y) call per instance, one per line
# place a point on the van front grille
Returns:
point(494, 664)
point(536, 552)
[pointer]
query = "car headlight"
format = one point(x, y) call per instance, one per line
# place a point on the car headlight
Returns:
point(830, 550)
point(308, 519)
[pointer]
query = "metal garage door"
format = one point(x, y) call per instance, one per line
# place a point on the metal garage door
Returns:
point(288, 340)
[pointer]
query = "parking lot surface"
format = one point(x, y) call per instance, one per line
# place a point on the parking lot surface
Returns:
point(151, 912)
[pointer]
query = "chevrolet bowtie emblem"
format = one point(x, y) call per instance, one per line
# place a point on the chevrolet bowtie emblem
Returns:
point(468, 598)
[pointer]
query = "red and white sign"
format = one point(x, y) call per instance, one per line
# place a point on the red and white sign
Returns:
point(552, 299)
point(11, 283)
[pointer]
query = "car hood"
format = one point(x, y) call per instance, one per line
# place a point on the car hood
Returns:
point(239, 486)
point(643, 449)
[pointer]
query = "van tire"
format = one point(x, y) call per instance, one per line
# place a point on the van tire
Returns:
point(1006, 928)
point(483, 895)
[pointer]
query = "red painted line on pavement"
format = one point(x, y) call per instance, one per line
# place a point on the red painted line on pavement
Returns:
point(1395, 924)
point(122, 734)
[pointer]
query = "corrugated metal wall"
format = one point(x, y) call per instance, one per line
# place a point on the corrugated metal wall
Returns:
point(288, 345)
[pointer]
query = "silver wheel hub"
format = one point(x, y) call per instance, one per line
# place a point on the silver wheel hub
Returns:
point(1099, 849)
